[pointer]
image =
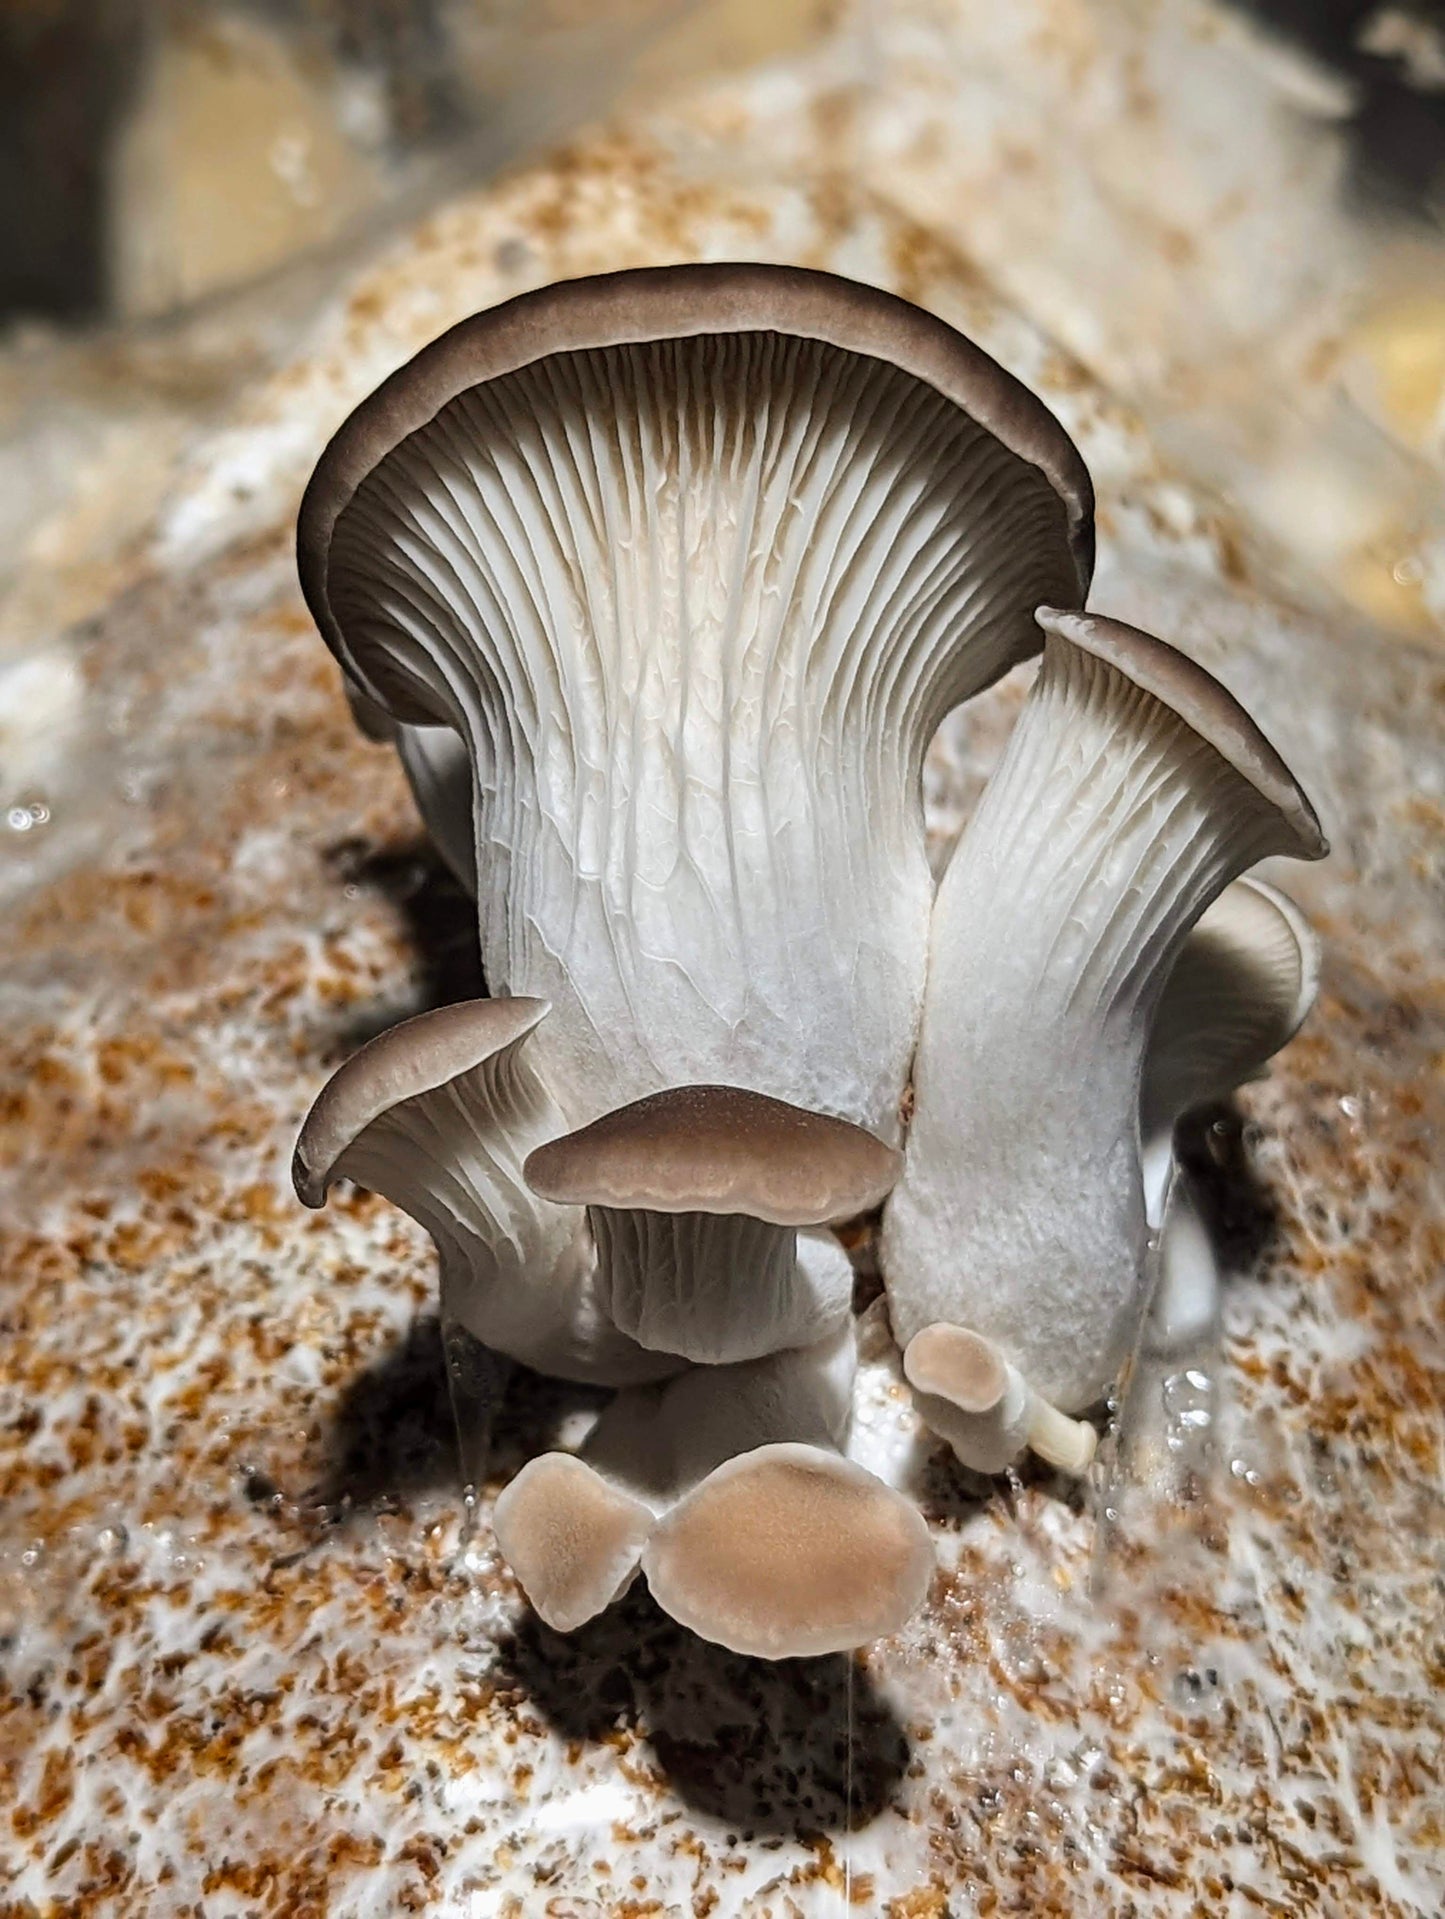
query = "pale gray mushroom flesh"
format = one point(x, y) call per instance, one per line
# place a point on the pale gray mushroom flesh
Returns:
point(1015, 1246)
point(692, 561)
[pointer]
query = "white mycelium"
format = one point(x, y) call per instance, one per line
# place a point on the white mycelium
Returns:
point(1132, 791)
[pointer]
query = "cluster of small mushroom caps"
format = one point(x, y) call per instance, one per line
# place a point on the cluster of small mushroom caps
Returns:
point(660, 583)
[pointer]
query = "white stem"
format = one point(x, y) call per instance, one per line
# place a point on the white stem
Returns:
point(1186, 1299)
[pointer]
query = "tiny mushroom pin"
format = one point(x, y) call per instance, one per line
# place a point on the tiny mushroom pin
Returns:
point(1133, 789)
point(692, 561)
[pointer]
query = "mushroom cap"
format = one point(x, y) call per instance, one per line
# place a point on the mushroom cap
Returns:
point(951, 1363)
point(672, 303)
point(411, 1058)
point(718, 1149)
point(1184, 686)
point(573, 1540)
point(788, 1552)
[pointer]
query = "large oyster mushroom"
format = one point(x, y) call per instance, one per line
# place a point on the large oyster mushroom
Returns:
point(1133, 789)
point(693, 560)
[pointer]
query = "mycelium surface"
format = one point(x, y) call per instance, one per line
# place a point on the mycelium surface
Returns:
point(250, 1663)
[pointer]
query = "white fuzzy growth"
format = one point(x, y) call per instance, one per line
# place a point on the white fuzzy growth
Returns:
point(716, 1287)
point(1107, 829)
point(696, 607)
point(517, 1272)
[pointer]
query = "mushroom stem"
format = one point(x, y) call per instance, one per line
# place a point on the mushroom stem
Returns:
point(716, 1287)
point(1132, 791)
point(1186, 1296)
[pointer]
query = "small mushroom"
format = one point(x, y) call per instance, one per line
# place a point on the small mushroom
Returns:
point(1243, 983)
point(727, 1485)
point(439, 771)
point(695, 1197)
point(693, 560)
point(985, 1408)
point(1133, 789)
point(572, 1536)
point(437, 1114)
point(1240, 990)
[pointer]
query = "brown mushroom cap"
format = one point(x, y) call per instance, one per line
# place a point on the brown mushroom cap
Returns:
point(952, 1363)
point(789, 1551)
point(573, 1539)
point(718, 1149)
point(672, 303)
point(1202, 703)
point(414, 1057)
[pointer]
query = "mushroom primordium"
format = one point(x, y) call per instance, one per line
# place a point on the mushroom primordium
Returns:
point(727, 1486)
point(1243, 983)
point(438, 1115)
point(692, 561)
point(1015, 1246)
point(695, 1197)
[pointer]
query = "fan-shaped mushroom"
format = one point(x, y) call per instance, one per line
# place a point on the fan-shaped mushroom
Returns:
point(1133, 789)
point(695, 1196)
point(694, 560)
point(1240, 989)
point(438, 1114)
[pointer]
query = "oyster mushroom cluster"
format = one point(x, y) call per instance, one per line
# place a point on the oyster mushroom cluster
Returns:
point(661, 582)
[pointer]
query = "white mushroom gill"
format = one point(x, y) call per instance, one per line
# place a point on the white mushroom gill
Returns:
point(695, 568)
point(1132, 791)
point(1243, 983)
point(438, 1115)
point(438, 770)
